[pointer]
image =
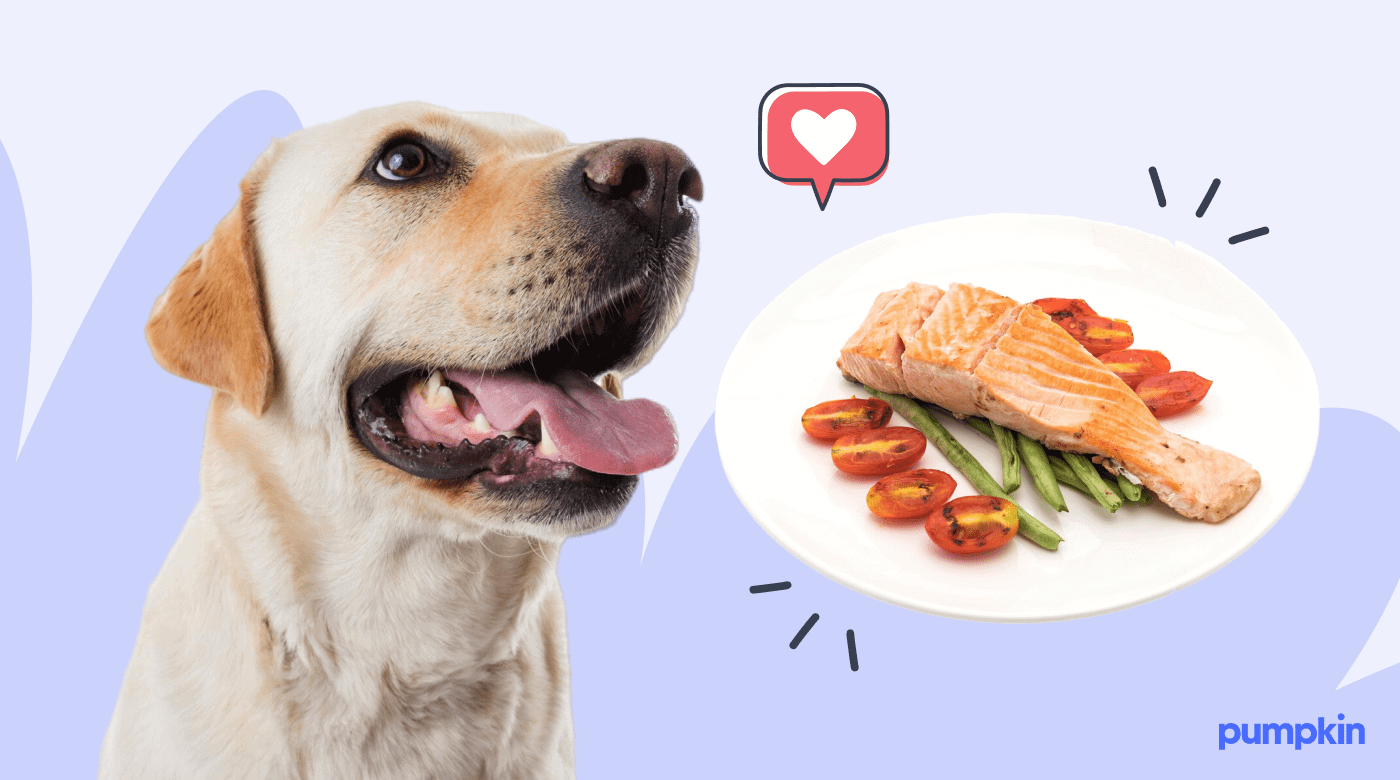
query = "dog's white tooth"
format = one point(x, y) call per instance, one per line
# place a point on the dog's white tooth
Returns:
point(436, 392)
point(547, 447)
point(480, 425)
point(445, 396)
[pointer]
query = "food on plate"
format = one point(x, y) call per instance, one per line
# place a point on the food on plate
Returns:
point(1010, 458)
point(1055, 471)
point(879, 452)
point(1064, 308)
point(1066, 477)
point(1099, 490)
point(1173, 393)
point(973, 524)
point(1042, 476)
point(1099, 335)
point(910, 494)
point(831, 420)
point(1130, 490)
point(983, 354)
point(1134, 365)
point(981, 425)
point(963, 460)
point(953, 340)
point(877, 347)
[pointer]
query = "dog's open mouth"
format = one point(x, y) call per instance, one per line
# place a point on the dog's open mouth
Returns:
point(543, 418)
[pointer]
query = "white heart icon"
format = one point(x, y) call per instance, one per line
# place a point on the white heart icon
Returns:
point(823, 138)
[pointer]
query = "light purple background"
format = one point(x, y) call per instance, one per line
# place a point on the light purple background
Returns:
point(678, 670)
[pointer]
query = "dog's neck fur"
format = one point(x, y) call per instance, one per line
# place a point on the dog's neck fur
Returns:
point(394, 648)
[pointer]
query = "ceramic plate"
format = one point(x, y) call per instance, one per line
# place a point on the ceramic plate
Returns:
point(1263, 407)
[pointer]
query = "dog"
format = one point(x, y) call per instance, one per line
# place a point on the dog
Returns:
point(415, 322)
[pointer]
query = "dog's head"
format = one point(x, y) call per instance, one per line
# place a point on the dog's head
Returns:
point(433, 298)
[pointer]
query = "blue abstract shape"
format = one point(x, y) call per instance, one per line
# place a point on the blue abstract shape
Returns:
point(110, 470)
point(678, 671)
point(15, 301)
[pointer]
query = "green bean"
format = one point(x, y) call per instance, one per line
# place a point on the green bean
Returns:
point(1115, 483)
point(981, 426)
point(1038, 464)
point(958, 455)
point(1065, 475)
point(1112, 485)
point(1131, 492)
point(1118, 491)
point(1084, 469)
point(1010, 459)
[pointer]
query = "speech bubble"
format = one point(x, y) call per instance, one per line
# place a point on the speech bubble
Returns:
point(824, 135)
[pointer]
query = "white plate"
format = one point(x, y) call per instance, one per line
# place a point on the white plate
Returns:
point(1263, 407)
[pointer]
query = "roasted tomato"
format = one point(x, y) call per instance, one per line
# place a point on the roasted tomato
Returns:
point(878, 452)
point(834, 419)
point(1099, 334)
point(1174, 393)
point(1064, 308)
point(973, 524)
point(910, 494)
point(1134, 365)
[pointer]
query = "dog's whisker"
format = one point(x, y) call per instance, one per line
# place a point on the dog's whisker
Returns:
point(507, 556)
point(537, 550)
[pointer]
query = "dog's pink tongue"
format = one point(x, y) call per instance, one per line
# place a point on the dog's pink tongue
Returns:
point(590, 427)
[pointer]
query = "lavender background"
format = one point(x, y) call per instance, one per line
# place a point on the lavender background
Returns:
point(678, 670)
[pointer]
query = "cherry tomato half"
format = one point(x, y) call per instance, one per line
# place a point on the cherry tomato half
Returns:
point(1134, 365)
point(879, 452)
point(834, 419)
point(1064, 308)
point(973, 524)
point(1174, 393)
point(910, 494)
point(1099, 334)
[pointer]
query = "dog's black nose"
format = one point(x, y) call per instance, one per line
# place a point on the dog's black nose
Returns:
point(648, 178)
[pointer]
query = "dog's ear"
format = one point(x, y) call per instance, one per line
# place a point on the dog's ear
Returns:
point(209, 325)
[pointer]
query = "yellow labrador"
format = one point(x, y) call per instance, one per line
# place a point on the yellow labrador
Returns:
point(406, 319)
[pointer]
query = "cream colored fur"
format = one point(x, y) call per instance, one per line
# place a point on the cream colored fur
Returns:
point(323, 616)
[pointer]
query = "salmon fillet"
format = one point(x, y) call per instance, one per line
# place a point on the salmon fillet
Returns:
point(940, 359)
point(876, 350)
point(980, 353)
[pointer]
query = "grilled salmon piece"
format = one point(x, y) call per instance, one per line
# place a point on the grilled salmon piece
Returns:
point(874, 351)
point(939, 361)
point(980, 353)
point(1038, 380)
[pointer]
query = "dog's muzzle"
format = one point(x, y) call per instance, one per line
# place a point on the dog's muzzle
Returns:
point(647, 180)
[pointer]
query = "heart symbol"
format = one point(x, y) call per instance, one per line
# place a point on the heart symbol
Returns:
point(823, 138)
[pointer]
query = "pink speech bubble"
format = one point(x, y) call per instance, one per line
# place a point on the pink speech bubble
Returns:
point(824, 135)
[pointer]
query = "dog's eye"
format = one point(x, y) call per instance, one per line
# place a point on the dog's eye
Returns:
point(403, 161)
